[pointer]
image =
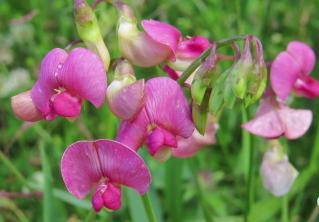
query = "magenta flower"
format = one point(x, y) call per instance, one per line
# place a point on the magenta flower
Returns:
point(187, 51)
point(156, 44)
point(188, 147)
point(274, 119)
point(291, 69)
point(165, 115)
point(89, 165)
point(66, 79)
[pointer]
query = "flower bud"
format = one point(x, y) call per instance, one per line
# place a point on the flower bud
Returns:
point(89, 31)
point(23, 107)
point(156, 44)
point(277, 173)
point(125, 95)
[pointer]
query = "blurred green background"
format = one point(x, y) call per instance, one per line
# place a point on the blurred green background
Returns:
point(210, 185)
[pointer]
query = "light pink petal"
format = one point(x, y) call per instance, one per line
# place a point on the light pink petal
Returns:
point(307, 86)
point(133, 132)
point(189, 146)
point(85, 163)
point(304, 55)
point(283, 74)
point(162, 33)
point(128, 101)
point(296, 121)
point(80, 168)
point(266, 123)
point(67, 105)
point(83, 74)
point(167, 106)
point(192, 48)
point(51, 66)
point(123, 166)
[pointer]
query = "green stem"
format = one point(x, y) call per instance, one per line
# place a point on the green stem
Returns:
point(196, 63)
point(284, 209)
point(246, 145)
point(90, 216)
point(148, 208)
point(14, 170)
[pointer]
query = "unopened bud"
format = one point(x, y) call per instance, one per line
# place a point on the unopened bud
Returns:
point(277, 172)
point(89, 31)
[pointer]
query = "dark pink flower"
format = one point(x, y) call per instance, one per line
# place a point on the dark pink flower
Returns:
point(156, 44)
point(187, 147)
point(98, 165)
point(66, 79)
point(291, 69)
point(165, 115)
point(274, 119)
point(187, 51)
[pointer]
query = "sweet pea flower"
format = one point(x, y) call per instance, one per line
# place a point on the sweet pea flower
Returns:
point(188, 147)
point(98, 165)
point(277, 172)
point(165, 115)
point(156, 44)
point(291, 69)
point(274, 119)
point(125, 95)
point(187, 51)
point(65, 80)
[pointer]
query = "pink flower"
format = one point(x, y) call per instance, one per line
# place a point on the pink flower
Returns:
point(156, 44)
point(274, 119)
point(165, 115)
point(187, 51)
point(66, 79)
point(98, 165)
point(188, 147)
point(291, 69)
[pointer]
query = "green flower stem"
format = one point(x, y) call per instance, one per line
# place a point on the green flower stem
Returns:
point(196, 63)
point(284, 209)
point(246, 145)
point(148, 208)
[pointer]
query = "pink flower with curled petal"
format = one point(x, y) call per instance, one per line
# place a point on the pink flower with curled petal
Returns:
point(156, 44)
point(187, 51)
point(98, 165)
point(274, 119)
point(165, 115)
point(188, 147)
point(66, 79)
point(291, 69)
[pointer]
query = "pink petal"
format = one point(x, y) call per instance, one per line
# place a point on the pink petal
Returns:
point(155, 140)
point(51, 66)
point(128, 101)
point(283, 74)
point(86, 163)
point(167, 106)
point(24, 108)
point(192, 48)
point(295, 121)
point(112, 197)
point(307, 86)
point(134, 173)
point(189, 146)
point(97, 198)
point(66, 105)
point(171, 72)
point(162, 33)
point(133, 132)
point(304, 55)
point(84, 74)
point(267, 123)
point(41, 94)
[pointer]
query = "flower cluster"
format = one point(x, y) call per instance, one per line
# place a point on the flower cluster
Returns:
point(155, 111)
